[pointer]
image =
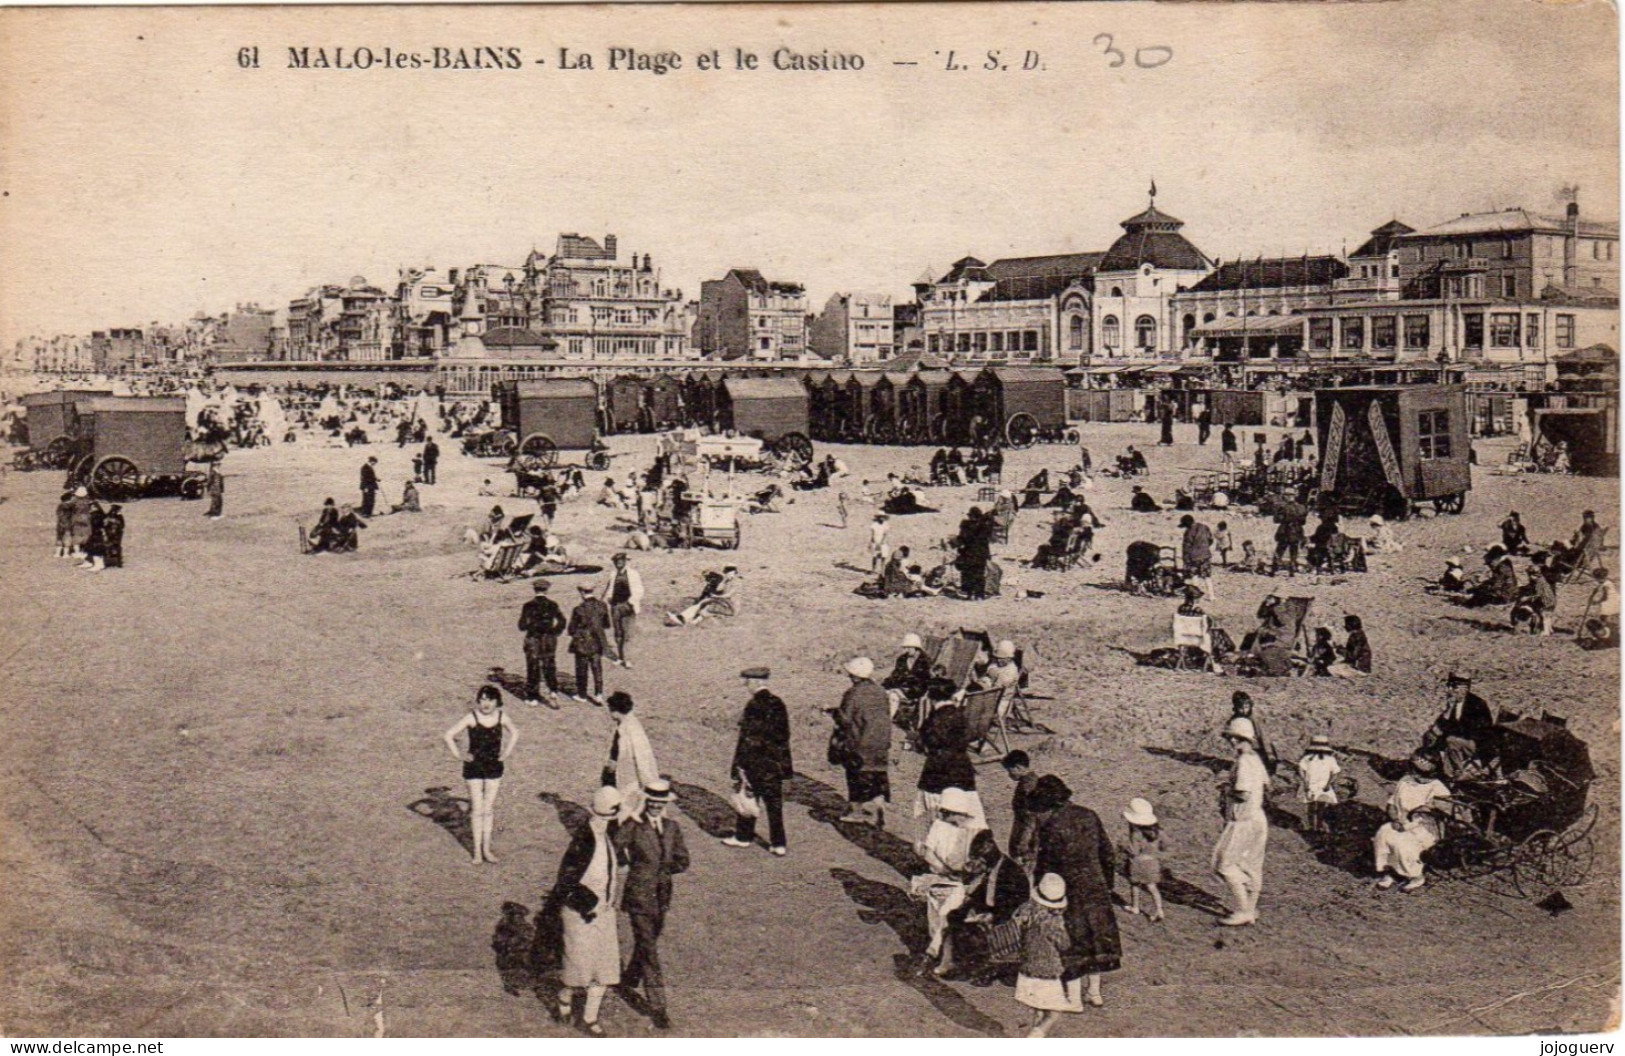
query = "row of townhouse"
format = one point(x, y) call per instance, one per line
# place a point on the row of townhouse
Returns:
point(580, 302)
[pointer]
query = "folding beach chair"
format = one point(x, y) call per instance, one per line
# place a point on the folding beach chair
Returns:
point(1193, 643)
point(984, 722)
point(1283, 652)
point(1015, 714)
point(1589, 557)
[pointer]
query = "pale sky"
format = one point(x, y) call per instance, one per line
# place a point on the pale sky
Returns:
point(146, 176)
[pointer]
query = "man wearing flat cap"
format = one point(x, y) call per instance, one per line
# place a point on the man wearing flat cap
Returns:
point(861, 745)
point(761, 762)
point(589, 641)
point(542, 621)
point(654, 849)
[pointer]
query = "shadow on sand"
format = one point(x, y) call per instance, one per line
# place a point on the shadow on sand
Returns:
point(826, 805)
point(710, 811)
point(885, 904)
point(447, 811)
point(573, 816)
point(507, 681)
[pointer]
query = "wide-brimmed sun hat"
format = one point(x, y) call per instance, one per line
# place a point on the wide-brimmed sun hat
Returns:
point(1005, 650)
point(1139, 812)
point(1051, 892)
point(1242, 729)
point(912, 641)
point(957, 801)
point(860, 667)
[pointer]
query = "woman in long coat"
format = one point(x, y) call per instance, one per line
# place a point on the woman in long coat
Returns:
point(591, 877)
point(945, 741)
point(1073, 844)
point(975, 550)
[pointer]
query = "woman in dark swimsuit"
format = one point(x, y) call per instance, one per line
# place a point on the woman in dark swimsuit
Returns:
point(482, 762)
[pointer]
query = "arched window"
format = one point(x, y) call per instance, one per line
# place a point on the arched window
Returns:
point(1110, 334)
point(1207, 317)
point(1074, 328)
point(1145, 332)
point(1117, 291)
point(1189, 324)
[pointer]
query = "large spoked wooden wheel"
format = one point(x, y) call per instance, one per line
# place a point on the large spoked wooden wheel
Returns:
point(79, 471)
point(1021, 431)
point(1451, 503)
point(542, 448)
point(58, 454)
point(1549, 861)
point(116, 479)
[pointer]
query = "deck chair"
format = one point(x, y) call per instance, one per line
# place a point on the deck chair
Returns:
point(1018, 713)
point(1589, 557)
point(1193, 633)
point(985, 493)
point(504, 564)
point(1287, 654)
point(1077, 548)
point(1015, 712)
point(984, 722)
point(956, 659)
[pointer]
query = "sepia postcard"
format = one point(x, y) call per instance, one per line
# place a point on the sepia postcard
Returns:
point(951, 520)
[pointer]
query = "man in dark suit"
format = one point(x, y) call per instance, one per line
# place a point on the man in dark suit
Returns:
point(431, 459)
point(1023, 828)
point(995, 888)
point(589, 640)
point(655, 853)
point(1458, 735)
point(762, 761)
point(542, 621)
point(369, 486)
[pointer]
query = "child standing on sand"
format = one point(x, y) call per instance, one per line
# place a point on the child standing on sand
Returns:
point(1144, 849)
point(1221, 543)
point(1044, 938)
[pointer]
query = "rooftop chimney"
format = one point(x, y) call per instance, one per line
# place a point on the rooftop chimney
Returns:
point(609, 247)
point(1571, 242)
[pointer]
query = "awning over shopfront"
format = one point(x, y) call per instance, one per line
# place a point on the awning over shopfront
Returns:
point(1252, 326)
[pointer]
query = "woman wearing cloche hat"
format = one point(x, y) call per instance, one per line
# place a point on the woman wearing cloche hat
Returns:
point(1238, 858)
point(591, 877)
point(861, 744)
